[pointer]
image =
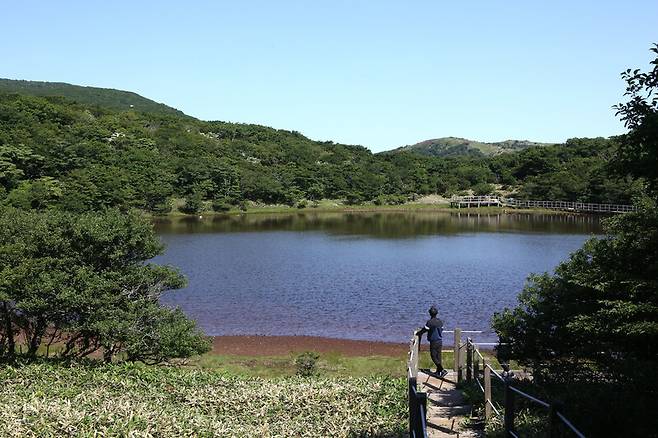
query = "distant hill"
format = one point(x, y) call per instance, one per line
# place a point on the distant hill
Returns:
point(455, 146)
point(103, 97)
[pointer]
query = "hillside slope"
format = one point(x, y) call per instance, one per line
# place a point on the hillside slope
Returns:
point(455, 146)
point(64, 154)
point(103, 97)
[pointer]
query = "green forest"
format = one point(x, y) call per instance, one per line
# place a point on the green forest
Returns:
point(59, 153)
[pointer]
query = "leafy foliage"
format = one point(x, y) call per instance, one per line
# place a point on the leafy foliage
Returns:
point(78, 284)
point(590, 330)
point(105, 97)
point(59, 154)
point(454, 146)
point(306, 363)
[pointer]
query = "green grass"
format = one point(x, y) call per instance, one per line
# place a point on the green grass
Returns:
point(129, 400)
point(328, 205)
point(328, 365)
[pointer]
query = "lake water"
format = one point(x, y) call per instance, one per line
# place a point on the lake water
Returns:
point(365, 276)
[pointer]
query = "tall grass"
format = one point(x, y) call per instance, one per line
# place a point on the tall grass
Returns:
point(48, 400)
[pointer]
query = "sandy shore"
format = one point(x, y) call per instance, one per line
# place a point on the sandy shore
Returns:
point(283, 345)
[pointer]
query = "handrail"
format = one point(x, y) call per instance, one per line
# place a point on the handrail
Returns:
point(417, 400)
point(501, 378)
point(569, 425)
point(529, 397)
point(489, 200)
point(510, 391)
point(493, 406)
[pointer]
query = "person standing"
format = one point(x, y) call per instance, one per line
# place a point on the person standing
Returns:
point(434, 329)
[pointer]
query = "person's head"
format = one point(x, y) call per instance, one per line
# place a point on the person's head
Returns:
point(433, 311)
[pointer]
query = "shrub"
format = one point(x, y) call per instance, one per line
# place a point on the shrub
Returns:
point(483, 189)
point(306, 364)
point(354, 198)
point(193, 204)
point(221, 205)
point(163, 208)
point(81, 282)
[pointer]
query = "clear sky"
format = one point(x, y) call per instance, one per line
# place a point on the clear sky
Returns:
point(378, 73)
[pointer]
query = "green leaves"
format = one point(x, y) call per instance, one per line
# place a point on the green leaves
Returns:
point(81, 281)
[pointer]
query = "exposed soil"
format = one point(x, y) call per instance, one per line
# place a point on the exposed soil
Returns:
point(283, 345)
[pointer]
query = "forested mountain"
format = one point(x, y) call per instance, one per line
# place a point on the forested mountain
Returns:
point(57, 153)
point(456, 146)
point(105, 97)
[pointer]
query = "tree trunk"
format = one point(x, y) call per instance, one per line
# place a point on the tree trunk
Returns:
point(9, 329)
point(35, 339)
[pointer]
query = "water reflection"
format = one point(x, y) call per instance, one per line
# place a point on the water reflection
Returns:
point(388, 225)
point(360, 275)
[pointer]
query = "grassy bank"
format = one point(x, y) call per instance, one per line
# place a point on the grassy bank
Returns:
point(128, 400)
point(328, 364)
point(336, 206)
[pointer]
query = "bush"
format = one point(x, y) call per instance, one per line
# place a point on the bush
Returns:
point(221, 205)
point(306, 364)
point(390, 200)
point(193, 204)
point(302, 204)
point(483, 189)
point(81, 282)
point(162, 208)
point(354, 198)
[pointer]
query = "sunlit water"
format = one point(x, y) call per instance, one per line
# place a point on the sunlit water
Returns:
point(365, 276)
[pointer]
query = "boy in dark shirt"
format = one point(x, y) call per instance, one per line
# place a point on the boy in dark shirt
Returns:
point(434, 329)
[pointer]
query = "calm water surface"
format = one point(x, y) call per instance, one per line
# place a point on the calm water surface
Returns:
point(360, 275)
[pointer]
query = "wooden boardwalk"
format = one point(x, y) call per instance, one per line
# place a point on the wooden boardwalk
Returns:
point(437, 408)
point(580, 207)
point(447, 411)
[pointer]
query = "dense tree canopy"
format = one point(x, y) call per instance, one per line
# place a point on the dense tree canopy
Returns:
point(56, 153)
point(78, 283)
point(590, 330)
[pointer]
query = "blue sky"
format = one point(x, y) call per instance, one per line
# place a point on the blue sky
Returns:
point(377, 73)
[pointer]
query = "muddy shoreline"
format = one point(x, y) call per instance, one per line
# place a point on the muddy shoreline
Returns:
point(251, 345)
point(283, 345)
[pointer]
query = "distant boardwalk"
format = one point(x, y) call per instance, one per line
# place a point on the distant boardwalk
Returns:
point(494, 201)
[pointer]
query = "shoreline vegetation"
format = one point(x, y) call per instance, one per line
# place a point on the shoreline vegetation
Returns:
point(337, 206)
point(276, 356)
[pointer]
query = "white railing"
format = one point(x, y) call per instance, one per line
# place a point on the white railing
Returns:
point(587, 207)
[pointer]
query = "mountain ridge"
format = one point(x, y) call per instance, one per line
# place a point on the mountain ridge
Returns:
point(96, 96)
point(457, 146)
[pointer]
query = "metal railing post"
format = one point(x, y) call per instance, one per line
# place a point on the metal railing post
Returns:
point(509, 409)
point(469, 360)
point(458, 341)
point(553, 420)
point(487, 392)
point(412, 405)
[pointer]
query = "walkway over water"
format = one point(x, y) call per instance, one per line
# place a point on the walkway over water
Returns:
point(496, 201)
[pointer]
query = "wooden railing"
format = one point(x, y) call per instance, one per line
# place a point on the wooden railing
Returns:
point(417, 399)
point(584, 207)
point(472, 368)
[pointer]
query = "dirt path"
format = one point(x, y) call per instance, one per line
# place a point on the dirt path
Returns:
point(283, 345)
point(446, 407)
